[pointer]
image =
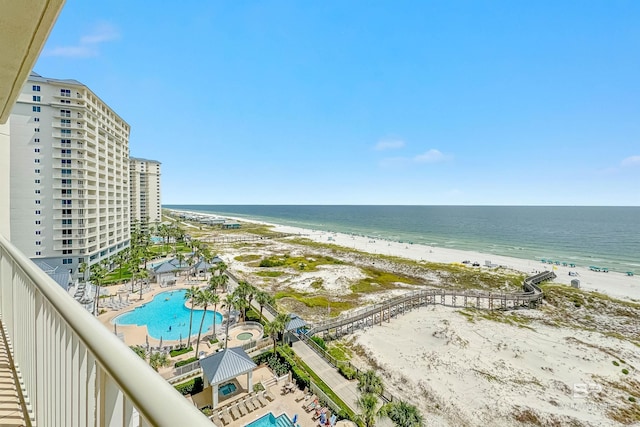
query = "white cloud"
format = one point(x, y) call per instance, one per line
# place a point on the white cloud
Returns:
point(89, 44)
point(631, 161)
point(430, 156)
point(389, 145)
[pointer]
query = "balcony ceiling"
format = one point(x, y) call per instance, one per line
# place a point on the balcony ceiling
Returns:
point(25, 27)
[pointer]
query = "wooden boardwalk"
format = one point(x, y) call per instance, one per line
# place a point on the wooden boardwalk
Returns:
point(384, 311)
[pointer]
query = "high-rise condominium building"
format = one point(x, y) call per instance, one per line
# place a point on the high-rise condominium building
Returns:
point(69, 174)
point(144, 190)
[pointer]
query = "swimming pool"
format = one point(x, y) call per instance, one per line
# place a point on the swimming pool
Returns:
point(270, 420)
point(167, 317)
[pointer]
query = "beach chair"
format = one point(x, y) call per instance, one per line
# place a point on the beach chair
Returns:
point(242, 408)
point(216, 421)
point(310, 406)
point(256, 402)
point(263, 400)
point(249, 404)
point(226, 417)
point(235, 412)
point(269, 395)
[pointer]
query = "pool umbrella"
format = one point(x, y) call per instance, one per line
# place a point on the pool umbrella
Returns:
point(115, 329)
point(160, 342)
point(180, 339)
point(147, 341)
point(295, 418)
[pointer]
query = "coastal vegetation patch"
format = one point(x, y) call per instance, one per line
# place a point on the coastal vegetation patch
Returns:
point(247, 258)
point(269, 273)
point(379, 280)
point(325, 304)
point(302, 263)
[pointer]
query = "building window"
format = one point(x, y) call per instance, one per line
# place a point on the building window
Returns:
point(36, 88)
point(37, 191)
point(67, 252)
point(67, 261)
point(38, 242)
point(65, 92)
point(38, 253)
point(65, 101)
point(38, 222)
point(38, 232)
point(37, 150)
point(65, 132)
point(36, 119)
point(36, 139)
point(37, 202)
point(37, 171)
point(36, 129)
point(37, 212)
point(37, 160)
point(36, 98)
point(65, 122)
point(37, 181)
point(36, 108)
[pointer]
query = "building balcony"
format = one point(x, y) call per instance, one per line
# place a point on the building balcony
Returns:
point(72, 370)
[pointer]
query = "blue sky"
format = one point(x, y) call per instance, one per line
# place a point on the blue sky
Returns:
point(360, 102)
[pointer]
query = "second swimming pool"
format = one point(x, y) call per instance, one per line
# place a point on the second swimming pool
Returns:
point(167, 317)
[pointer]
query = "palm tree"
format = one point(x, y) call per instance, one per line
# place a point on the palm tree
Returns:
point(203, 299)
point(158, 360)
point(191, 294)
point(271, 330)
point(215, 300)
point(370, 382)
point(402, 414)
point(368, 403)
point(120, 259)
point(281, 320)
point(263, 298)
point(229, 302)
point(97, 275)
point(215, 282)
point(82, 268)
point(180, 258)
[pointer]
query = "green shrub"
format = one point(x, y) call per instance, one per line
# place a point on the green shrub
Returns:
point(625, 371)
point(320, 342)
point(347, 371)
point(252, 316)
point(278, 365)
point(258, 387)
point(185, 362)
point(632, 399)
point(174, 353)
point(190, 387)
point(272, 262)
point(213, 340)
point(615, 363)
point(262, 358)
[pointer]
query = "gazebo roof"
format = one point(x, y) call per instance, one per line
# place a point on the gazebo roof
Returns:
point(226, 364)
point(295, 322)
point(165, 267)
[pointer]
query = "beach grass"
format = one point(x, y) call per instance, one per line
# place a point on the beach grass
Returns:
point(379, 280)
point(302, 263)
point(247, 258)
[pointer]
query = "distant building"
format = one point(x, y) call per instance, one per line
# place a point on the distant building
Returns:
point(69, 175)
point(144, 190)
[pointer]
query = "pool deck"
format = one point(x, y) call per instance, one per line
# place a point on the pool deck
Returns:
point(282, 403)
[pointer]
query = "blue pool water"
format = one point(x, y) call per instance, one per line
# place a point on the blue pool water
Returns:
point(228, 388)
point(167, 317)
point(269, 420)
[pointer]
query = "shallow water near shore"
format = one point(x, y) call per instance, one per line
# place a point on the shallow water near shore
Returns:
point(603, 236)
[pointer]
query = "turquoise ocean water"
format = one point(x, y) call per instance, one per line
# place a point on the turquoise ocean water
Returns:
point(603, 236)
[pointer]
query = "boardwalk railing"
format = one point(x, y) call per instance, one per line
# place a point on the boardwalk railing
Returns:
point(377, 313)
point(73, 371)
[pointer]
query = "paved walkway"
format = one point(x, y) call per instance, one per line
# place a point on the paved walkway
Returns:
point(345, 389)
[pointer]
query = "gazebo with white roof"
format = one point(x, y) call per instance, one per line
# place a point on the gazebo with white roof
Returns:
point(225, 365)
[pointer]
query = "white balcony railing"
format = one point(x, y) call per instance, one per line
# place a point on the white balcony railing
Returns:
point(74, 371)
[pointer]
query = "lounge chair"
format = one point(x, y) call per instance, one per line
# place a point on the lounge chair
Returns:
point(215, 420)
point(262, 399)
point(311, 406)
point(303, 395)
point(249, 404)
point(226, 417)
point(269, 395)
point(242, 408)
point(256, 402)
point(235, 412)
